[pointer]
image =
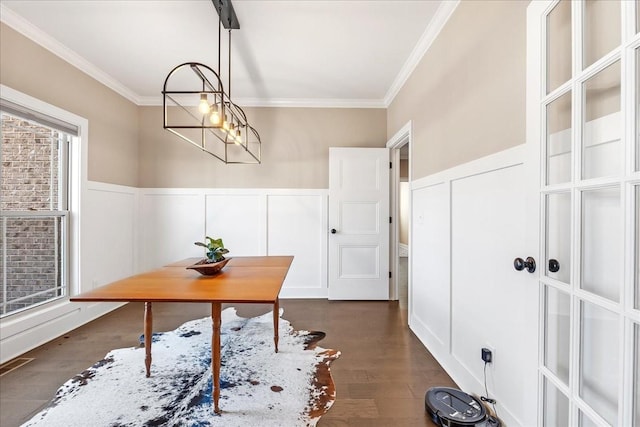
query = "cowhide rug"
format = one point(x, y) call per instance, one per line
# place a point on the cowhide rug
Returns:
point(258, 386)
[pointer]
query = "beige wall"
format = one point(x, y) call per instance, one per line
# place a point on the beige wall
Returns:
point(404, 168)
point(405, 213)
point(128, 146)
point(113, 126)
point(295, 149)
point(404, 202)
point(466, 98)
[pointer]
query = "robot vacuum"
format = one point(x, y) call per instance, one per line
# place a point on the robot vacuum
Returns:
point(449, 407)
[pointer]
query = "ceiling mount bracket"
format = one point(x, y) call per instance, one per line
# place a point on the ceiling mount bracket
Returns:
point(227, 14)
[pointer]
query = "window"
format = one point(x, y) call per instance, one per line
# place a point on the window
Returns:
point(34, 208)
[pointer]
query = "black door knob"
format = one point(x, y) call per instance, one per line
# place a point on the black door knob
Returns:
point(520, 264)
point(554, 265)
point(333, 231)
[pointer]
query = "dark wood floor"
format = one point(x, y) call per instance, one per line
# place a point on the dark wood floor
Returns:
point(381, 377)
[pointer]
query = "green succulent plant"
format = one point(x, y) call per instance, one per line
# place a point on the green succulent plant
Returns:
point(215, 249)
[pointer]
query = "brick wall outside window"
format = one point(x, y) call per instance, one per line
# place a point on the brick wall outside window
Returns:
point(29, 182)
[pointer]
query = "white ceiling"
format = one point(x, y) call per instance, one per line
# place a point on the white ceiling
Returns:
point(286, 52)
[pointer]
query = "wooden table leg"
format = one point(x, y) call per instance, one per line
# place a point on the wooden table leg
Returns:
point(216, 316)
point(148, 335)
point(276, 319)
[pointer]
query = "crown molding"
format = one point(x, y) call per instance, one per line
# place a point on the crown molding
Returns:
point(286, 102)
point(440, 18)
point(38, 36)
point(311, 103)
point(27, 29)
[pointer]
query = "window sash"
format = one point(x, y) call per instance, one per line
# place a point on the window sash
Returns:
point(56, 283)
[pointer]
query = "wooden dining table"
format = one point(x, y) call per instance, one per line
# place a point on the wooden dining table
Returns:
point(243, 280)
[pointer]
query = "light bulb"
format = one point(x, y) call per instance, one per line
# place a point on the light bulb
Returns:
point(232, 132)
point(214, 118)
point(225, 124)
point(204, 104)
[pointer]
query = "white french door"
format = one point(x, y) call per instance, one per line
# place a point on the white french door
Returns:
point(359, 223)
point(582, 107)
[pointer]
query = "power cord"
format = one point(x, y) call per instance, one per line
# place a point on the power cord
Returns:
point(486, 391)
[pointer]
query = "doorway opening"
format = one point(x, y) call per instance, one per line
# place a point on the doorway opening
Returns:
point(401, 213)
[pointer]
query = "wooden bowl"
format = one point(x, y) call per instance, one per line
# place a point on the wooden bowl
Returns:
point(208, 268)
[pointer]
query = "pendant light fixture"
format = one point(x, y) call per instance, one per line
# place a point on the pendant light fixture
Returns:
point(198, 110)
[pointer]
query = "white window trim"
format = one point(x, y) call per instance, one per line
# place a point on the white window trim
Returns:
point(13, 327)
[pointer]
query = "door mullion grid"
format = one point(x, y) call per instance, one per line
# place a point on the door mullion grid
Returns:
point(629, 81)
point(625, 384)
point(574, 326)
point(576, 217)
point(632, 116)
point(629, 182)
point(627, 372)
point(546, 283)
point(579, 295)
point(626, 181)
point(542, 179)
point(545, 373)
point(627, 20)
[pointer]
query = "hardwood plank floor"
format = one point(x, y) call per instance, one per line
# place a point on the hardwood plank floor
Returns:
point(381, 377)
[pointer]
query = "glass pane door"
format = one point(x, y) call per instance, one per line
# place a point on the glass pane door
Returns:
point(590, 195)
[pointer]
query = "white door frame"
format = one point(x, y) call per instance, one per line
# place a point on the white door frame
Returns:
point(397, 141)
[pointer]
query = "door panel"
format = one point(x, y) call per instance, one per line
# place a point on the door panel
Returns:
point(359, 217)
point(601, 29)
point(557, 338)
point(558, 251)
point(555, 406)
point(359, 262)
point(602, 124)
point(599, 360)
point(558, 147)
point(559, 36)
point(602, 242)
point(359, 225)
point(587, 127)
point(636, 382)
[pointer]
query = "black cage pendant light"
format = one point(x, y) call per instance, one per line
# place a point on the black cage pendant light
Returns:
point(198, 110)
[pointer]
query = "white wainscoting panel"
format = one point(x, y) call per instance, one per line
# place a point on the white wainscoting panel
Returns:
point(297, 225)
point(109, 235)
point(240, 220)
point(488, 307)
point(431, 292)
point(466, 230)
point(250, 221)
point(170, 222)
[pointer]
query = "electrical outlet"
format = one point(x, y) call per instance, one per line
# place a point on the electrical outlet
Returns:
point(487, 355)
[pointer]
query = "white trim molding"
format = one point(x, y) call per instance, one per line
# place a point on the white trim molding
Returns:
point(432, 31)
point(445, 10)
point(38, 36)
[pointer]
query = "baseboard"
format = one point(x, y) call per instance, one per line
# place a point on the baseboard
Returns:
point(69, 317)
point(303, 293)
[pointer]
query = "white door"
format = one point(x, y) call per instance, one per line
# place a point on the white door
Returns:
point(358, 223)
point(582, 107)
